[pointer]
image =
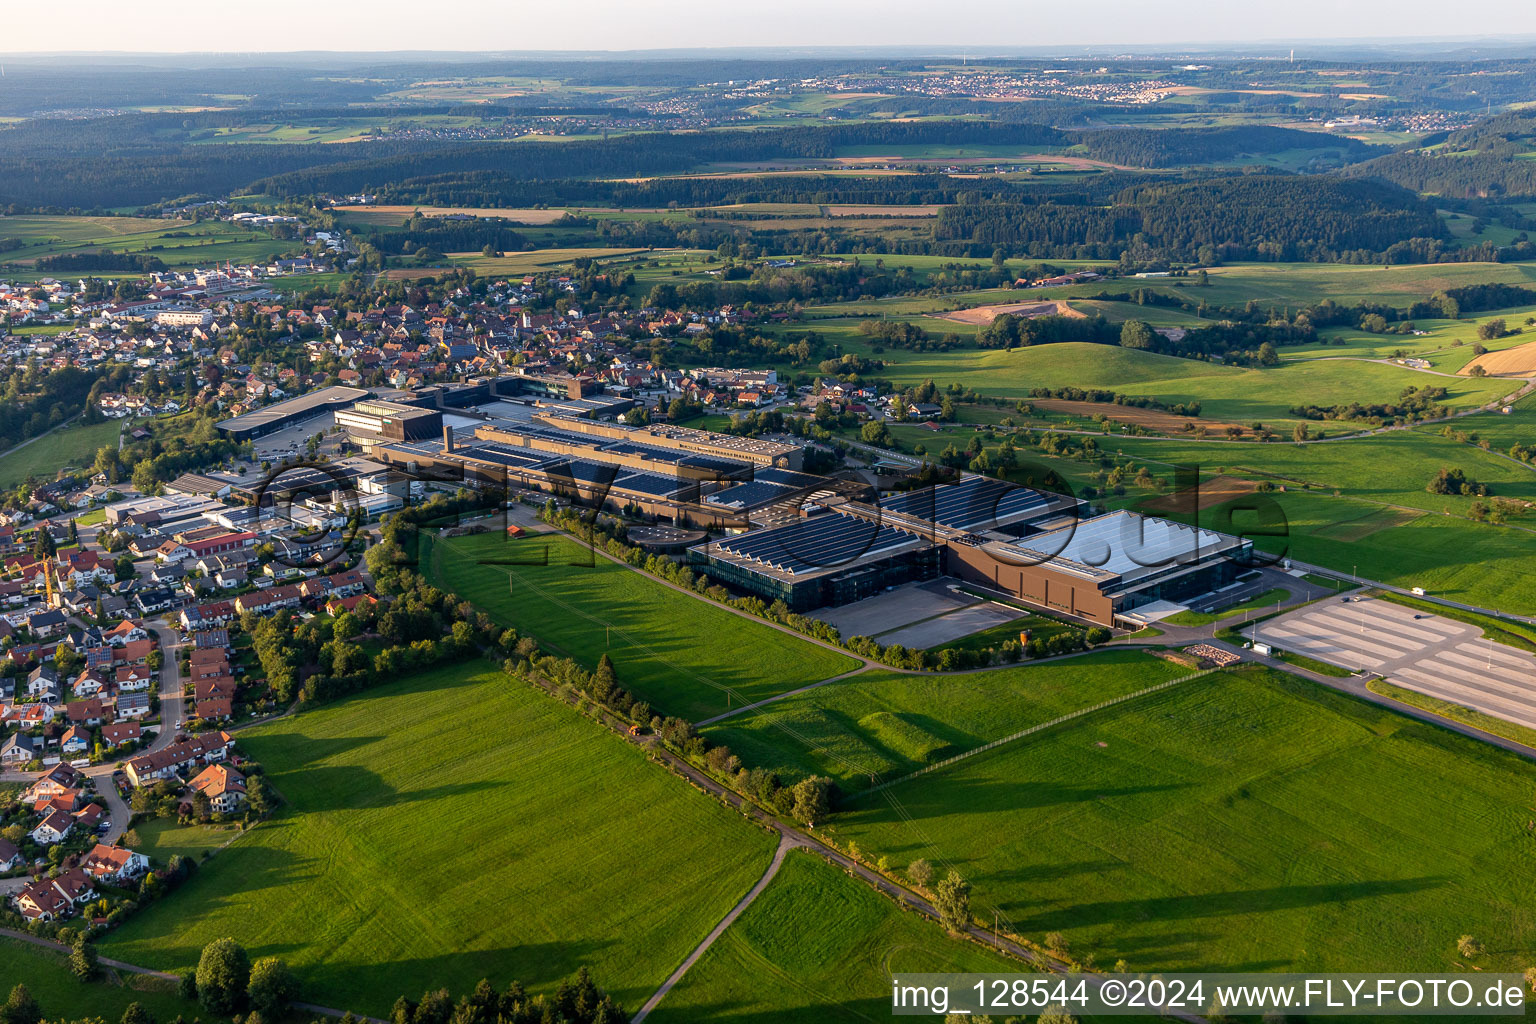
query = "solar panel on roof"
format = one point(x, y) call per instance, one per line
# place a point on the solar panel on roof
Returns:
point(822, 542)
point(972, 503)
point(757, 492)
point(788, 477)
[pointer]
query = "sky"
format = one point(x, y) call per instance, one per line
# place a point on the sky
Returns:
point(269, 26)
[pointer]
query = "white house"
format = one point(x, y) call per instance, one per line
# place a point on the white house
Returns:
point(53, 828)
point(114, 864)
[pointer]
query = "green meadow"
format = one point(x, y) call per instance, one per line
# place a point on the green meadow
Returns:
point(178, 243)
point(74, 445)
point(453, 826)
point(61, 996)
point(1229, 393)
point(1245, 821)
point(683, 655)
point(884, 724)
point(817, 945)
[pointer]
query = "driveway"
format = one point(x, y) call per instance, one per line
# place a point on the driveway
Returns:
point(117, 807)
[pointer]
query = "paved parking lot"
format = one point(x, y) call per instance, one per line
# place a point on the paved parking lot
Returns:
point(952, 626)
point(909, 603)
point(918, 615)
point(1426, 653)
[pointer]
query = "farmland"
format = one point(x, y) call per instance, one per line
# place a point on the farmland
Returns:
point(1300, 284)
point(24, 239)
point(683, 655)
point(1245, 821)
point(516, 849)
point(816, 943)
point(1519, 361)
point(1225, 393)
point(884, 724)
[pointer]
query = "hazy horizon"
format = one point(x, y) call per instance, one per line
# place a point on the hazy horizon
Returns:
point(104, 27)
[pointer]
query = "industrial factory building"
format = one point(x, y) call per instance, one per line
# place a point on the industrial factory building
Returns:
point(1037, 547)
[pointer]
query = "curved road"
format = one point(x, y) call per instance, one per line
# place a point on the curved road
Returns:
point(172, 710)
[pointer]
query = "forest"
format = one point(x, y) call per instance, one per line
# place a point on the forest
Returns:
point(1489, 160)
point(1175, 147)
point(1251, 216)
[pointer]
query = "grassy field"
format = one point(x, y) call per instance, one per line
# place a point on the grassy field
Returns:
point(684, 655)
point(1390, 468)
point(163, 838)
point(887, 724)
point(816, 945)
point(1225, 392)
point(1446, 344)
point(1455, 712)
point(1299, 284)
point(46, 974)
point(458, 825)
point(1489, 566)
point(74, 445)
point(1244, 821)
point(178, 243)
point(1346, 504)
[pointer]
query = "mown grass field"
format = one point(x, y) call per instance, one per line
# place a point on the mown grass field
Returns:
point(74, 445)
point(1390, 468)
point(46, 974)
point(452, 826)
point(683, 655)
point(885, 724)
point(164, 838)
point(816, 945)
point(1447, 345)
point(1243, 821)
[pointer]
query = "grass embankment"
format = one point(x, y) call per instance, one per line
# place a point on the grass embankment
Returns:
point(1258, 603)
point(1455, 712)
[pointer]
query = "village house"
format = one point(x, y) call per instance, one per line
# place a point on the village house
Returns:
point(19, 749)
point(52, 899)
point(76, 741)
point(222, 785)
point(114, 865)
point(54, 828)
point(132, 705)
point(85, 712)
point(163, 764)
point(118, 733)
point(57, 781)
